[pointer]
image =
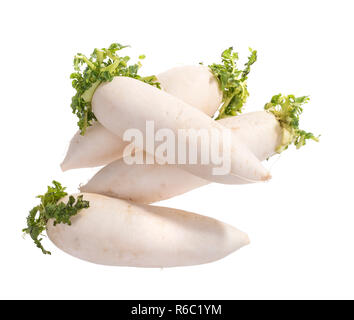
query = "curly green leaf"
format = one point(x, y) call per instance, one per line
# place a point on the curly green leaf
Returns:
point(102, 66)
point(233, 81)
point(287, 109)
point(51, 208)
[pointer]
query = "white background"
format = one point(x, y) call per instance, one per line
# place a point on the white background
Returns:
point(301, 223)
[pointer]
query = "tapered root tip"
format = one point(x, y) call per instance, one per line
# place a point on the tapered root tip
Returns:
point(267, 177)
point(238, 239)
point(247, 240)
point(63, 166)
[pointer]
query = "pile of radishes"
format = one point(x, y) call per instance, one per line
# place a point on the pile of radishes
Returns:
point(119, 226)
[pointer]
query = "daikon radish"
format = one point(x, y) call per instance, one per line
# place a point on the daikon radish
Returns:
point(195, 85)
point(202, 87)
point(264, 132)
point(116, 232)
point(97, 147)
point(148, 183)
point(126, 103)
point(120, 233)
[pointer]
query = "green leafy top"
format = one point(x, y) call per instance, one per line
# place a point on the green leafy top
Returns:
point(103, 65)
point(233, 81)
point(49, 208)
point(287, 110)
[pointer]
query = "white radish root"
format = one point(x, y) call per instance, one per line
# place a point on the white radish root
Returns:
point(126, 103)
point(97, 147)
point(260, 131)
point(120, 233)
point(150, 183)
point(195, 85)
point(142, 183)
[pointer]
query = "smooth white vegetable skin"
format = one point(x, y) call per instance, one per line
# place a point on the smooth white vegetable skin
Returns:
point(195, 85)
point(260, 131)
point(126, 103)
point(96, 148)
point(151, 183)
point(145, 183)
point(119, 233)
